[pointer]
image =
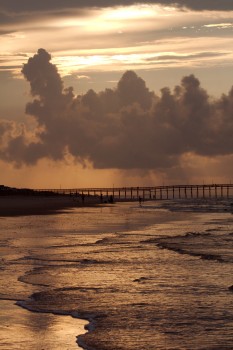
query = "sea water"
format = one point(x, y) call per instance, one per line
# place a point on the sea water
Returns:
point(155, 276)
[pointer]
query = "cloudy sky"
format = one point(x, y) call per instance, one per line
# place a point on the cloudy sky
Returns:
point(103, 93)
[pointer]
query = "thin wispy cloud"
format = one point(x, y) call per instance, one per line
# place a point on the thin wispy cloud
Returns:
point(219, 25)
point(98, 36)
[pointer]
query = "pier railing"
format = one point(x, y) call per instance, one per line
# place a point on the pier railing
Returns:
point(147, 193)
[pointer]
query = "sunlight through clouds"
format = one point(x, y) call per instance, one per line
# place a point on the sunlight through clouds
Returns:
point(130, 12)
point(156, 55)
point(114, 38)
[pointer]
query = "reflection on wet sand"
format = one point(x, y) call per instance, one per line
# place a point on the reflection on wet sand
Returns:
point(21, 329)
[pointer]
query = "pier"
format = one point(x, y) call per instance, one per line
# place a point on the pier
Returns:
point(150, 193)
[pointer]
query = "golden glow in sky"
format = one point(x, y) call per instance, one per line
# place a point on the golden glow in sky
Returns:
point(122, 38)
point(130, 12)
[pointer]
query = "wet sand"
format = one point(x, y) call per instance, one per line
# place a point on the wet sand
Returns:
point(22, 329)
point(38, 205)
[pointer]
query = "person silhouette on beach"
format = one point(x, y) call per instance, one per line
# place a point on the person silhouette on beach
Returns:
point(140, 201)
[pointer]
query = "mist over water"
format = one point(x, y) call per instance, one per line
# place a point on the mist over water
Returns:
point(149, 277)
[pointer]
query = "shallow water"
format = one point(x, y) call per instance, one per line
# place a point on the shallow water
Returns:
point(150, 277)
point(22, 329)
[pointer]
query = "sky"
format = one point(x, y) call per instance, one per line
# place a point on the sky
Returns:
point(115, 93)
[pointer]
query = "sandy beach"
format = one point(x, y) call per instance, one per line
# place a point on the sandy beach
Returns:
point(41, 205)
point(22, 328)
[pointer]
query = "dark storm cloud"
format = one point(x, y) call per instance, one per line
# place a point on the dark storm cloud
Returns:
point(14, 6)
point(126, 127)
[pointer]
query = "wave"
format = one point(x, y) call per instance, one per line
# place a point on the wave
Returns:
point(211, 245)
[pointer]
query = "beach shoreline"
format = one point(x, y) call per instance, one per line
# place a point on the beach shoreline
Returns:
point(95, 265)
point(18, 205)
point(31, 328)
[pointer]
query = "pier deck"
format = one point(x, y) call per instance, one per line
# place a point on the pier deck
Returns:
point(153, 193)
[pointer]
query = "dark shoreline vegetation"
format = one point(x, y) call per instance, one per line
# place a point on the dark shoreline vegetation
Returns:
point(17, 202)
point(7, 191)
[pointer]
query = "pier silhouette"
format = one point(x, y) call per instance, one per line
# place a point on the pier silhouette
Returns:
point(150, 193)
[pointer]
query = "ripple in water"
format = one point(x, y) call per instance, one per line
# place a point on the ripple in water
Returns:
point(144, 278)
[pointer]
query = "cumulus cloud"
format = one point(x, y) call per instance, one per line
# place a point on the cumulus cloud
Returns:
point(127, 127)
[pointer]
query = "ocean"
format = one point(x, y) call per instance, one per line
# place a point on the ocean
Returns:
point(119, 277)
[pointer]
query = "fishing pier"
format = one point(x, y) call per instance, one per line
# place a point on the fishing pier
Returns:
point(150, 193)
